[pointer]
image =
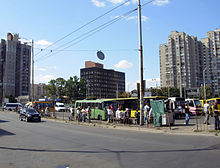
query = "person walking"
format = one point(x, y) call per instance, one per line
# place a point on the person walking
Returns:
point(216, 116)
point(206, 111)
point(187, 113)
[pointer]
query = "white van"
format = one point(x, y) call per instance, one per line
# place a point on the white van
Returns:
point(13, 106)
point(59, 107)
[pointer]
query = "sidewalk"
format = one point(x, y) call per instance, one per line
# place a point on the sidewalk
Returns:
point(178, 129)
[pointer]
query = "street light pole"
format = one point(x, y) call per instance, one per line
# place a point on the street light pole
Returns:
point(180, 82)
point(32, 98)
point(204, 84)
point(141, 63)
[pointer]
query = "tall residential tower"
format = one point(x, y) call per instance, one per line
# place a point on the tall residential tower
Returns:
point(15, 61)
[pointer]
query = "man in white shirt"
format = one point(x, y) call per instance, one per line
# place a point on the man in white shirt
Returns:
point(206, 111)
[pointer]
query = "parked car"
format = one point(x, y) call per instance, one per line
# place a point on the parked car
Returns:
point(29, 115)
point(13, 106)
point(59, 107)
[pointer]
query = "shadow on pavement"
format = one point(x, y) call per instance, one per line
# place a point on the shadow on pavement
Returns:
point(4, 133)
point(210, 148)
point(3, 121)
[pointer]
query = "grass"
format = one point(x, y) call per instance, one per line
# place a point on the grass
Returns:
point(214, 131)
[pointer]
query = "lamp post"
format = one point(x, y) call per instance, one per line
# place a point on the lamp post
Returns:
point(204, 83)
point(180, 81)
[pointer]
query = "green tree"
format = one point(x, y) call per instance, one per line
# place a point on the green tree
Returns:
point(51, 88)
point(60, 86)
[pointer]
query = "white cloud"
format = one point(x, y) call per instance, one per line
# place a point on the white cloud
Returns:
point(43, 43)
point(52, 67)
point(124, 64)
point(116, 1)
point(40, 69)
point(98, 3)
point(144, 18)
point(43, 78)
point(161, 2)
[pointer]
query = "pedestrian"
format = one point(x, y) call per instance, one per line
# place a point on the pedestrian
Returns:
point(187, 113)
point(206, 111)
point(146, 110)
point(47, 111)
point(89, 113)
point(126, 116)
point(119, 115)
point(109, 112)
point(78, 113)
point(137, 117)
point(216, 116)
point(83, 113)
point(71, 113)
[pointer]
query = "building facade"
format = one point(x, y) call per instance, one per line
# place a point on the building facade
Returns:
point(100, 82)
point(15, 61)
point(40, 91)
point(187, 62)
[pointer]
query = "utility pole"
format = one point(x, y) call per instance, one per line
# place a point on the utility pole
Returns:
point(141, 63)
point(32, 97)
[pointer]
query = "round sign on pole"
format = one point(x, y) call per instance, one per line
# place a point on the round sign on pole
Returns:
point(100, 55)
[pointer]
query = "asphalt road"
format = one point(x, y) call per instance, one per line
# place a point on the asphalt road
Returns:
point(57, 145)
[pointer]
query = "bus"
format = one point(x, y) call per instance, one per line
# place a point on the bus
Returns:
point(212, 101)
point(98, 107)
point(41, 105)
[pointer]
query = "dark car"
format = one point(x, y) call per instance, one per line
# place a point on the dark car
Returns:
point(29, 115)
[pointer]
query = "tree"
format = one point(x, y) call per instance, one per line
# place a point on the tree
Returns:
point(208, 92)
point(51, 88)
point(124, 95)
point(60, 86)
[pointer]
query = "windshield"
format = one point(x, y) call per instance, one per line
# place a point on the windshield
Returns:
point(198, 103)
point(31, 111)
point(180, 103)
point(61, 105)
point(11, 105)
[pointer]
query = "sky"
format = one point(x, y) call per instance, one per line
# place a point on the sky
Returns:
point(48, 21)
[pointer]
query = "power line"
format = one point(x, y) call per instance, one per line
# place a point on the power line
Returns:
point(85, 25)
point(92, 32)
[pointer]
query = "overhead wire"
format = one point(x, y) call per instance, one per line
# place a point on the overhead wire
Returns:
point(62, 38)
point(93, 31)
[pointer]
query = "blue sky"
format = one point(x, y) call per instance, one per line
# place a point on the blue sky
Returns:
point(46, 21)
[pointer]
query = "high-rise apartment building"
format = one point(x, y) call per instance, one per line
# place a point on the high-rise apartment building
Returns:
point(15, 61)
point(102, 83)
point(188, 62)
